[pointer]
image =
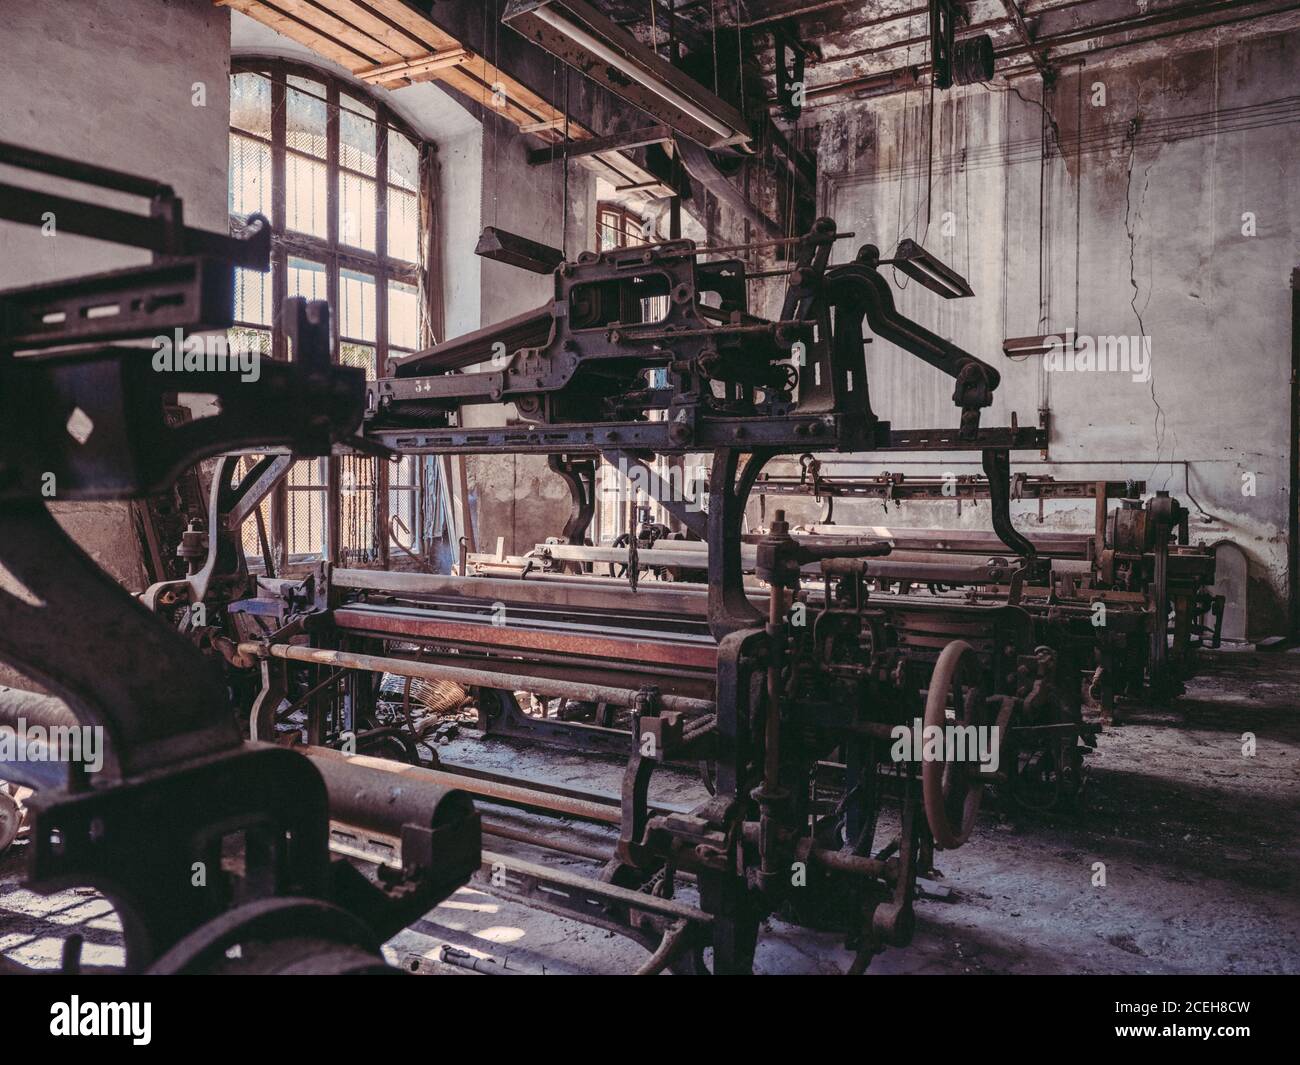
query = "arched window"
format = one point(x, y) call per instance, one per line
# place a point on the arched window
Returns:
point(339, 176)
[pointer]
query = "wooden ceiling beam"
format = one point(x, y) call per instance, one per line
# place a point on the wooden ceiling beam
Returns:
point(389, 43)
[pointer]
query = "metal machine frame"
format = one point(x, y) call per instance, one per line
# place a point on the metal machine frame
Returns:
point(202, 841)
point(594, 378)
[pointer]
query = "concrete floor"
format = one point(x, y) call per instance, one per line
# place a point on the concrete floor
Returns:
point(1201, 846)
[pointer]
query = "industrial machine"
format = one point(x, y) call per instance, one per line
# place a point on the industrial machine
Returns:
point(214, 851)
point(1120, 611)
point(782, 696)
point(1137, 562)
point(795, 673)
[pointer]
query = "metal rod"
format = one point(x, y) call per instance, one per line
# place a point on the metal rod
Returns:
point(25, 158)
point(509, 794)
point(562, 846)
point(310, 692)
point(543, 788)
point(596, 693)
point(33, 708)
point(717, 330)
point(752, 245)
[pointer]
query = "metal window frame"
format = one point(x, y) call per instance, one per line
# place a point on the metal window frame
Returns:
point(336, 257)
point(625, 214)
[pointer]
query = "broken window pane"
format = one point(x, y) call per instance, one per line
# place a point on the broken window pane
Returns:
point(362, 356)
point(258, 340)
point(250, 103)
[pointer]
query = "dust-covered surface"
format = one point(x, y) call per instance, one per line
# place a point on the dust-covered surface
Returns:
point(1183, 858)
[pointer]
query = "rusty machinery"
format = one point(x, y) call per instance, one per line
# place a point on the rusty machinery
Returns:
point(773, 707)
point(1123, 608)
point(791, 722)
point(1052, 585)
point(1128, 604)
point(1125, 618)
point(1137, 557)
point(213, 850)
point(646, 352)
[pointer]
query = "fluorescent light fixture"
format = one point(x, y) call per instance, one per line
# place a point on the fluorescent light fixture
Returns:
point(503, 246)
point(610, 55)
point(1022, 347)
point(919, 264)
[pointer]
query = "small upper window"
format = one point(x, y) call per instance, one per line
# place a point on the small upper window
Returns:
point(617, 227)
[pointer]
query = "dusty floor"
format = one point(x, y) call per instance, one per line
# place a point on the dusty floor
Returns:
point(1200, 844)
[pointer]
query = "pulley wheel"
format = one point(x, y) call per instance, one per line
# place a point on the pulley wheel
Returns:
point(952, 790)
point(11, 820)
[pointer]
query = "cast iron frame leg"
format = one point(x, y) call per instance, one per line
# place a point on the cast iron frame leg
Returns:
point(997, 468)
point(164, 702)
point(729, 488)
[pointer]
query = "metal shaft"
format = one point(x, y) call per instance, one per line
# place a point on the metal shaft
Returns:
point(509, 794)
point(481, 678)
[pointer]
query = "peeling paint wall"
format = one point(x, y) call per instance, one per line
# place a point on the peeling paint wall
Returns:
point(516, 497)
point(1132, 226)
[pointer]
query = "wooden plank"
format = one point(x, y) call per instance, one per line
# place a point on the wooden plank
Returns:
point(610, 163)
point(538, 127)
point(517, 94)
point(520, 94)
point(405, 43)
point(365, 37)
point(462, 80)
point(293, 29)
point(313, 14)
point(416, 24)
point(637, 138)
point(654, 187)
point(411, 68)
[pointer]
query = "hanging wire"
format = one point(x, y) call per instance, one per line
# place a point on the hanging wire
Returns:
point(496, 122)
point(965, 176)
point(929, 154)
point(564, 161)
point(555, 95)
point(898, 220)
point(740, 63)
point(713, 24)
point(902, 150)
